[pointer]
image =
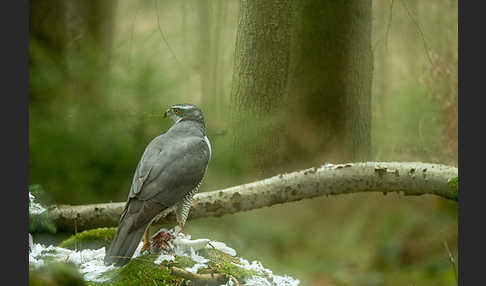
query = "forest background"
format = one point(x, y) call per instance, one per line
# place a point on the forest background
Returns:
point(101, 73)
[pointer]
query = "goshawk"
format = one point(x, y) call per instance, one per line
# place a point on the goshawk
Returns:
point(169, 173)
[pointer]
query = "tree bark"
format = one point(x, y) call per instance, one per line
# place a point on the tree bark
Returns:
point(407, 178)
point(260, 79)
point(302, 82)
point(330, 79)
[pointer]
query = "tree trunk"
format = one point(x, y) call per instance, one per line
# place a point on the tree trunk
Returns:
point(302, 82)
point(260, 79)
point(381, 77)
point(330, 80)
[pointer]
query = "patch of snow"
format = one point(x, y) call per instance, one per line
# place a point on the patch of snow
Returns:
point(221, 246)
point(35, 252)
point(229, 283)
point(185, 246)
point(91, 265)
point(267, 277)
point(197, 258)
point(254, 265)
point(35, 208)
point(89, 262)
point(285, 280)
point(257, 281)
point(164, 257)
point(196, 267)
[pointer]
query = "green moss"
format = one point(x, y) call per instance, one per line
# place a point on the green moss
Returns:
point(93, 239)
point(223, 263)
point(453, 186)
point(183, 262)
point(142, 271)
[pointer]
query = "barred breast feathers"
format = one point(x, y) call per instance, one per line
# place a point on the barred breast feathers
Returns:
point(184, 206)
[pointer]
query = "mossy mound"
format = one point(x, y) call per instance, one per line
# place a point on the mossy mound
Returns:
point(224, 263)
point(92, 239)
point(143, 271)
point(209, 265)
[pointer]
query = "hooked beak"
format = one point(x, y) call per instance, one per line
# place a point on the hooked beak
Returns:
point(166, 113)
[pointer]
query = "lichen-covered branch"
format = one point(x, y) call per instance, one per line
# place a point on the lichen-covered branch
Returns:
point(407, 178)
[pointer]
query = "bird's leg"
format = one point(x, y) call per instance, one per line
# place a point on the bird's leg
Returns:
point(180, 226)
point(146, 239)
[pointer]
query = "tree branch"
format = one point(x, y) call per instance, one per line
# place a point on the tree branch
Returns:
point(203, 279)
point(407, 178)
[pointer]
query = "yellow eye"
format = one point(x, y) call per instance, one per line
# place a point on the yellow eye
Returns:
point(176, 111)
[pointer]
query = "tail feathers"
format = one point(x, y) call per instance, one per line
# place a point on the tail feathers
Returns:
point(134, 220)
point(124, 245)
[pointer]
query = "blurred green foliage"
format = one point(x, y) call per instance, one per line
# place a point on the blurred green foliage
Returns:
point(85, 141)
point(56, 274)
point(39, 221)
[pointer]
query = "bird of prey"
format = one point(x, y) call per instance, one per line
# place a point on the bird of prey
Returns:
point(169, 173)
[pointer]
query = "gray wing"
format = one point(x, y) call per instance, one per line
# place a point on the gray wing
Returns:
point(169, 169)
point(146, 163)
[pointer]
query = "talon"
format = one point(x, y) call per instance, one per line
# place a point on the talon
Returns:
point(146, 245)
point(146, 240)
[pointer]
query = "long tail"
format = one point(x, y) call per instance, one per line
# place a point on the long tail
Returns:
point(134, 220)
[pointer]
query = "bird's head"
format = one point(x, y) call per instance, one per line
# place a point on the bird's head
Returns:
point(184, 111)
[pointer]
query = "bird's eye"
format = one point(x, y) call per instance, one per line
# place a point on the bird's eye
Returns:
point(176, 111)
